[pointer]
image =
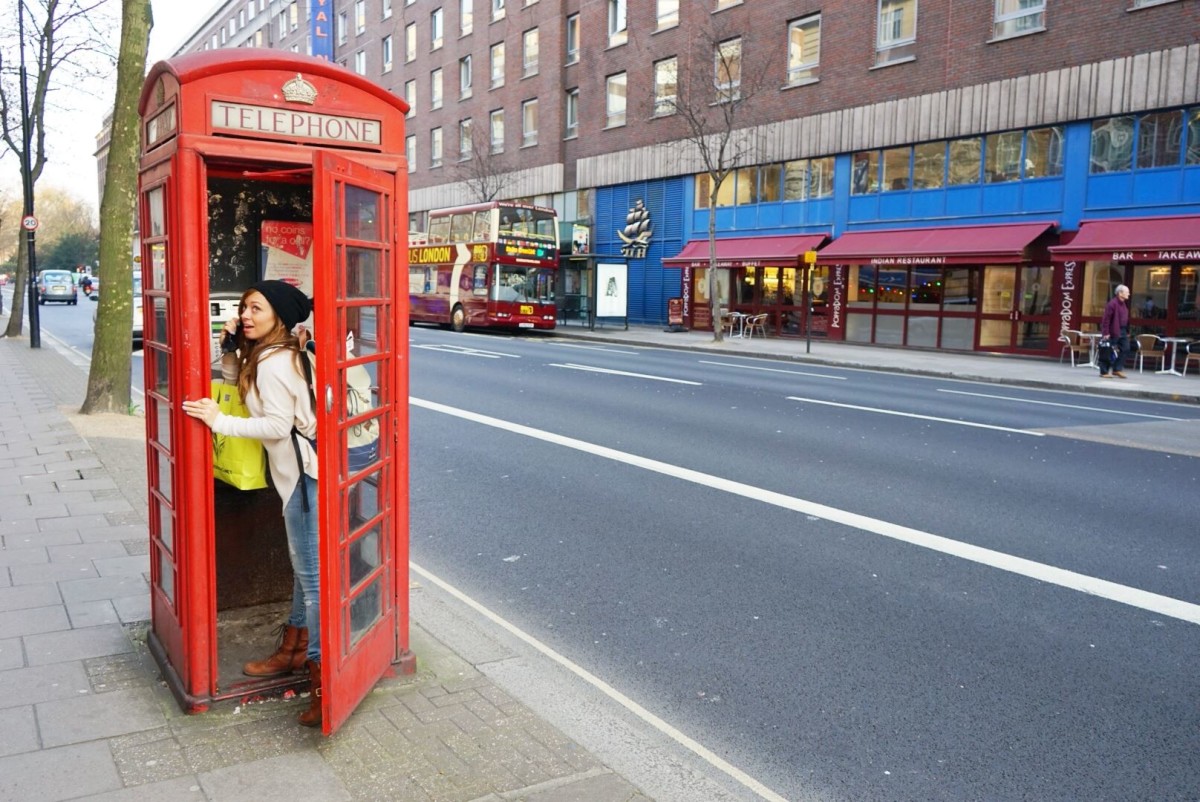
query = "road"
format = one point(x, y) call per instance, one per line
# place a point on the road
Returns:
point(849, 585)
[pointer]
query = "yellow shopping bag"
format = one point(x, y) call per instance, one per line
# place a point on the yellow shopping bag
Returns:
point(237, 461)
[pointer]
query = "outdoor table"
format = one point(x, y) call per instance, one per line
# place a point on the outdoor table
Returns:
point(1169, 362)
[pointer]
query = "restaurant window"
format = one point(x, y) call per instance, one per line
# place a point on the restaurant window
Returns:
point(896, 31)
point(896, 165)
point(618, 32)
point(497, 61)
point(804, 50)
point(466, 17)
point(614, 100)
point(820, 177)
point(435, 89)
point(571, 114)
point(1193, 137)
point(929, 165)
point(1148, 293)
point(864, 177)
point(1112, 145)
point(727, 70)
point(1160, 139)
point(496, 124)
point(965, 161)
point(466, 145)
point(1100, 280)
point(666, 76)
point(572, 40)
point(1003, 156)
point(1016, 17)
point(529, 52)
point(668, 14)
point(960, 301)
point(795, 179)
point(1185, 297)
point(1044, 152)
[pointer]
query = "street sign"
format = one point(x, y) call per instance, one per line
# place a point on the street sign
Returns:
point(810, 257)
point(29, 222)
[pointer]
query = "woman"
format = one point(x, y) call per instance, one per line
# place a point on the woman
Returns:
point(266, 366)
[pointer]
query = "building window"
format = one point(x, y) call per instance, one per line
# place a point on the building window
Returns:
point(614, 103)
point(668, 14)
point(804, 50)
point(360, 16)
point(496, 126)
point(820, 178)
point(435, 88)
point(529, 52)
point(1015, 17)
point(410, 152)
point(727, 70)
point(497, 10)
point(387, 9)
point(966, 161)
point(410, 96)
point(360, 62)
point(341, 28)
point(410, 42)
point(435, 29)
point(1112, 145)
point(897, 30)
point(498, 64)
point(529, 123)
point(571, 114)
point(572, 38)
point(929, 165)
point(618, 31)
point(386, 50)
point(666, 85)
point(1002, 157)
point(466, 147)
point(294, 17)
point(1160, 139)
point(464, 77)
point(435, 147)
point(1044, 152)
point(864, 175)
point(466, 17)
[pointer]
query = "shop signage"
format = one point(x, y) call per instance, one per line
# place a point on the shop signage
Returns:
point(909, 260)
point(675, 311)
point(1066, 309)
point(1156, 256)
point(293, 124)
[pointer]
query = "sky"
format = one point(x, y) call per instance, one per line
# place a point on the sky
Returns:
point(71, 130)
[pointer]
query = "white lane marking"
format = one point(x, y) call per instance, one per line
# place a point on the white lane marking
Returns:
point(1122, 594)
point(595, 348)
point(1055, 404)
point(774, 370)
point(608, 690)
point(915, 415)
point(589, 369)
point(464, 351)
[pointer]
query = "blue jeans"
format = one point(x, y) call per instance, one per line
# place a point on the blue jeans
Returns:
point(305, 553)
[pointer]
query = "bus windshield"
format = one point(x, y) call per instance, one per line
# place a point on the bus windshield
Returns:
point(523, 284)
point(528, 222)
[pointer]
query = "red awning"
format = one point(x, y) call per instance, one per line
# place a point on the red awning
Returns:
point(739, 251)
point(1143, 239)
point(972, 245)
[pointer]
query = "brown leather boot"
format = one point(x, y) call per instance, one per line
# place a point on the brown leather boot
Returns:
point(288, 658)
point(312, 716)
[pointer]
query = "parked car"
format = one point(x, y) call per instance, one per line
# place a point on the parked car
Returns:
point(56, 285)
point(137, 308)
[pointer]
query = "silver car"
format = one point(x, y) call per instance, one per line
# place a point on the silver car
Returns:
point(56, 285)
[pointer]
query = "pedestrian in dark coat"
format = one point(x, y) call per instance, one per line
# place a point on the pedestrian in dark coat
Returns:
point(1114, 328)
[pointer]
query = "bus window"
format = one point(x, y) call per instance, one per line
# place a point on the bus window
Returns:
point(483, 227)
point(479, 284)
point(460, 228)
point(439, 230)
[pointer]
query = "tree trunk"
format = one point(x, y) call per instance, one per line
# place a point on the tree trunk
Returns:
point(108, 380)
point(20, 288)
point(714, 286)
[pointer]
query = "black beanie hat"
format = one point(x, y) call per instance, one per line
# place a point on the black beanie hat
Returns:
point(291, 306)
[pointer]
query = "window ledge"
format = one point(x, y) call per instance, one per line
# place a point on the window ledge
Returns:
point(569, 137)
point(1152, 4)
point(726, 8)
point(798, 84)
point(614, 46)
point(529, 75)
point(525, 145)
point(1018, 35)
point(612, 126)
point(664, 28)
point(893, 63)
point(466, 96)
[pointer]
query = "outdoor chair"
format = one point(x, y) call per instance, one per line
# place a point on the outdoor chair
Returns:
point(1073, 344)
point(1151, 346)
point(756, 323)
point(1193, 355)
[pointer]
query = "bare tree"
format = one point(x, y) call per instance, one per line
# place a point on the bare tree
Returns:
point(484, 171)
point(108, 379)
point(716, 83)
point(64, 36)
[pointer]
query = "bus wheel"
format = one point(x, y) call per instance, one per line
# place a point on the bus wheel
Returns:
point(458, 319)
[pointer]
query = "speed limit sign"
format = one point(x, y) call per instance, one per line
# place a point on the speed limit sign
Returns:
point(29, 222)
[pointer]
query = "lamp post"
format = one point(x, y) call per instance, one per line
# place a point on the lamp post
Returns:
point(35, 331)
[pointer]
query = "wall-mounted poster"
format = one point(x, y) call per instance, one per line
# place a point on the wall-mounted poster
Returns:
point(287, 253)
point(612, 290)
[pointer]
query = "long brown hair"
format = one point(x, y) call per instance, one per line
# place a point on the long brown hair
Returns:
point(251, 351)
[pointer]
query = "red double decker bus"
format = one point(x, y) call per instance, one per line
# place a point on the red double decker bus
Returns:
point(487, 264)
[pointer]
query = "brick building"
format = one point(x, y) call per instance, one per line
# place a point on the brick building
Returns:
point(962, 169)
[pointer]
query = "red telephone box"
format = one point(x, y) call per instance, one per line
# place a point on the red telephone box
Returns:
point(263, 164)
